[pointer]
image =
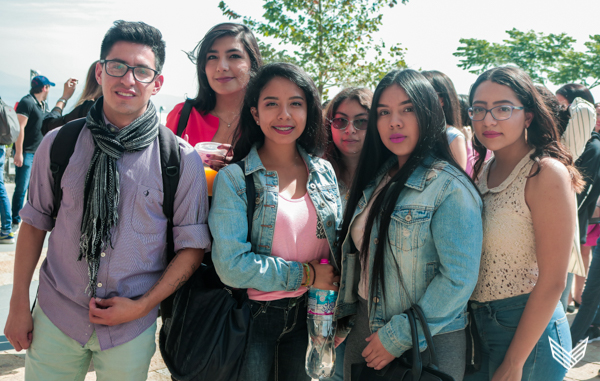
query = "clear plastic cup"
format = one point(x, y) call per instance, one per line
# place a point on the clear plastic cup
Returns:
point(209, 148)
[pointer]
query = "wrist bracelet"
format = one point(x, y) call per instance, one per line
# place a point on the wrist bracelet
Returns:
point(63, 100)
point(306, 270)
point(314, 272)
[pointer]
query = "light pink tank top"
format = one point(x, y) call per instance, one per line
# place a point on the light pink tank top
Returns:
point(296, 238)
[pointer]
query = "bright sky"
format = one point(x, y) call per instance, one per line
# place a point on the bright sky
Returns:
point(61, 38)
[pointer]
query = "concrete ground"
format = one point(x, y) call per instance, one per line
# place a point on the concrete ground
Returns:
point(12, 363)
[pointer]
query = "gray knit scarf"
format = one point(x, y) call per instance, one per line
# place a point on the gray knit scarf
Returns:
point(101, 194)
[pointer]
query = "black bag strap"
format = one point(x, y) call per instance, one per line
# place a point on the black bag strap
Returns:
point(60, 153)
point(250, 196)
point(184, 117)
point(170, 159)
point(421, 316)
point(417, 362)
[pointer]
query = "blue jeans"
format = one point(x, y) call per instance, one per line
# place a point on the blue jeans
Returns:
point(277, 343)
point(22, 174)
point(496, 324)
point(5, 218)
point(590, 299)
point(564, 298)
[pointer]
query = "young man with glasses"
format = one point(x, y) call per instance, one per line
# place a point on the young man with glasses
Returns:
point(106, 271)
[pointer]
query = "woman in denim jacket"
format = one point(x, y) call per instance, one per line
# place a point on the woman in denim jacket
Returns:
point(418, 216)
point(297, 210)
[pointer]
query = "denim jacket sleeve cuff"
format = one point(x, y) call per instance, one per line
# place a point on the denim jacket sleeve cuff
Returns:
point(296, 274)
point(391, 336)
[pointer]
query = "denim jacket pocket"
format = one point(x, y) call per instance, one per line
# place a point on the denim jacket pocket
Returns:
point(411, 227)
point(148, 210)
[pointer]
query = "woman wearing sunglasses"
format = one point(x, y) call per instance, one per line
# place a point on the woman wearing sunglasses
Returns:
point(346, 121)
point(528, 228)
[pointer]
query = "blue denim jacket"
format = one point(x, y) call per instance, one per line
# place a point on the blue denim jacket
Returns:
point(435, 236)
point(250, 265)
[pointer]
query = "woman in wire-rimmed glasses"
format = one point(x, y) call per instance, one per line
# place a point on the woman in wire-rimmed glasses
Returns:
point(528, 228)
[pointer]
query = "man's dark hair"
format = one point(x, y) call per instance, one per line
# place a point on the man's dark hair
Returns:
point(36, 90)
point(137, 33)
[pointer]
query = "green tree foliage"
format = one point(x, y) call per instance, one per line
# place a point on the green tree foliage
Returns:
point(545, 57)
point(331, 39)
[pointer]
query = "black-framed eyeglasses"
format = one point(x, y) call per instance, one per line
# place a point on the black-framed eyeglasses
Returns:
point(119, 69)
point(342, 123)
point(478, 113)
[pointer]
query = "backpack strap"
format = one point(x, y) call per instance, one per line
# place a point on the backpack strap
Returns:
point(184, 117)
point(60, 153)
point(170, 159)
point(251, 196)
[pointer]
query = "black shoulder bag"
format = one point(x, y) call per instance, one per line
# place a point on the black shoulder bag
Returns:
point(409, 366)
point(205, 339)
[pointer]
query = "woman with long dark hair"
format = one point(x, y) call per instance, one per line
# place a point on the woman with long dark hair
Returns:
point(297, 209)
point(225, 58)
point(451, 105)
point(400, 246)
point(528, 190)
point(346, 121)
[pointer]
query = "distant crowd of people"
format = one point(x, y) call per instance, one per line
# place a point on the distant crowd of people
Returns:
point(482, 209)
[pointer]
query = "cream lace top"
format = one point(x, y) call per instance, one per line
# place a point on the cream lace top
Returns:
point(508, 261)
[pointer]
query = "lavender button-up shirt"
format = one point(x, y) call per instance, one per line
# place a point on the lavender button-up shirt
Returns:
point(138, 257)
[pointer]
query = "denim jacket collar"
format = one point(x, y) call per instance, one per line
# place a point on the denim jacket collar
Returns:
point(253, 162)
point(416, 181)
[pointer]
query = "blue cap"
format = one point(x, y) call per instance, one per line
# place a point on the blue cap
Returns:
point(40, 80)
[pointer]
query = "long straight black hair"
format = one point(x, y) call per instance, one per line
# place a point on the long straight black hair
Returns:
point(432, 141)
point(445, 90)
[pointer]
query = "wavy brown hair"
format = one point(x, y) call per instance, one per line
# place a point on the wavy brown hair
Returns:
point(542, 134)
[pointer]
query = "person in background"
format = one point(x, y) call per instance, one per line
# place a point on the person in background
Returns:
point(6, 234)
point(224, 60)
point(280, 137)
point(578, 103)
point(106, 269)
point(346, 119)
point(597, 127)
point(528, 190)
point(408, 199)
point(91, 92)
point(31, 111)
point(582, 117)
point(451, 105)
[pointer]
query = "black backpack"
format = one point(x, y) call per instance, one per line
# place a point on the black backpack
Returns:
point(170, 158)
point(184, 117)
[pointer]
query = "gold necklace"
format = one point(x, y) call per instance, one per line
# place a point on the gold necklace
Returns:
point(228, 123)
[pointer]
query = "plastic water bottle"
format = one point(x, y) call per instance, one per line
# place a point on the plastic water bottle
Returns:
point(320, 355)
